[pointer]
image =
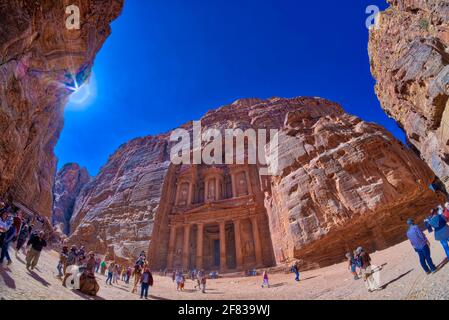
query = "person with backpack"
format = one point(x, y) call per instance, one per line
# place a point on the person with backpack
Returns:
point(352, 264)
point(146, 281)
point(437, 223)
point(295, 270)
point(421, 245)
point(367, 270)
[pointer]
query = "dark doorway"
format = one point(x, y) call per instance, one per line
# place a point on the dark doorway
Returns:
point(216, 253)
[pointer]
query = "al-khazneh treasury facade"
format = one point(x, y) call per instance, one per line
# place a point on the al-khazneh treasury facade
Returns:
point(218, 221)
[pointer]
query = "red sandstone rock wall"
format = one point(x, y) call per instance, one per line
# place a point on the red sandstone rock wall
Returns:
point(68, 184)
point(114, 213)
point(343, 182)
point(38, 57)
point(409, 52)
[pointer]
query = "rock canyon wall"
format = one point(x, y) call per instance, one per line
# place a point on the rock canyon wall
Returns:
point(410, 61)
point(68, 184)
point(40, 60)
point(342, 182)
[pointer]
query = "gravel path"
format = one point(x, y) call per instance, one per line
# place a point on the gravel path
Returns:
point(401, 277)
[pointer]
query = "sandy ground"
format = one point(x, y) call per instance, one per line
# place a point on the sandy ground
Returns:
point(401, 278)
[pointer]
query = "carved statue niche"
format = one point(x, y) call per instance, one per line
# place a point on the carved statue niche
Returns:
point(241, 185)
point(183, 194)
point(211, 195)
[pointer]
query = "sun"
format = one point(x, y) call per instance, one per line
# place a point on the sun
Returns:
point(82, 95)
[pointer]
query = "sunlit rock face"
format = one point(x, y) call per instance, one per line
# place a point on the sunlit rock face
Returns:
point(410, 61)
point(68, 184)
point(39, 60)
point(342, 182)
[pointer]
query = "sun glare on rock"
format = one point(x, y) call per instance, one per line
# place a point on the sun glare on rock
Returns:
point(82, 95)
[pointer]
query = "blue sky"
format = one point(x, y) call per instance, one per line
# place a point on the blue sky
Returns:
point(168, 62)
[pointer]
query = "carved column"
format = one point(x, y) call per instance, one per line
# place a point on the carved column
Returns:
point(206, 190)
point(186, 247)
point(234, 188)
point(248, 182)
point(199, 246)
point(238, 244)
point(171, 246)
point(222, 246)
point(178, 187)
point(217, 189)
point(257, 244)
point(190, 197)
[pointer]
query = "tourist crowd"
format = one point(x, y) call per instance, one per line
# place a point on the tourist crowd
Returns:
point(77, 269)
point(359, 261)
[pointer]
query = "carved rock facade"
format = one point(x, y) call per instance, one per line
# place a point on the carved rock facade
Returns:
point(341, 182)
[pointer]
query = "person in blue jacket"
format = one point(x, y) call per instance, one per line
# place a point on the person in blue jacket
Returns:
point(438, 224)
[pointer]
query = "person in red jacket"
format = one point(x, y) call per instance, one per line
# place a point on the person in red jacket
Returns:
point(446, 211)
point(146, 281)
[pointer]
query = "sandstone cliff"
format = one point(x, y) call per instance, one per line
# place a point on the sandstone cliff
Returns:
point(342, 182)
point(410, 61)
point(39, 61)
point(68, 183)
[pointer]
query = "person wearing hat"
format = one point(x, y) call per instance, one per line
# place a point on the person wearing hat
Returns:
point(62, 265)
point(420, 243)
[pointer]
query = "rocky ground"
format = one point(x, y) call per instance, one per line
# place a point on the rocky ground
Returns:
point(401, 278)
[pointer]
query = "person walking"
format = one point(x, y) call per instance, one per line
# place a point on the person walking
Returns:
point(352, 265)
point(62, 264)
point(421, 245)
point(24, 233)
point(203, 282)
point(8, 238)
point(265, 282)
point(103, 266)
point(136, 273)
point(111, 269)
point(37, 243)
point(367, 269)
point(146, 281)
point(72, 259)
point(295, 270)
point(438, 224)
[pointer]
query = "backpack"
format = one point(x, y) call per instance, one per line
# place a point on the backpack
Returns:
point(446, 214)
